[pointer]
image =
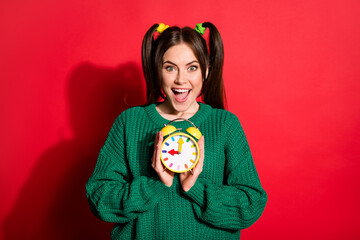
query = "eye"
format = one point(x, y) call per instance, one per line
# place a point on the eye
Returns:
point(193, 68)
point(170, 68)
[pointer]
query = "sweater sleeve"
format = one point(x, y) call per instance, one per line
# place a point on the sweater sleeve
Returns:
point(241, 200)
point(113, 194)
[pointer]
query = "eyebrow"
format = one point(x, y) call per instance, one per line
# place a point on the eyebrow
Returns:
point(167, 61)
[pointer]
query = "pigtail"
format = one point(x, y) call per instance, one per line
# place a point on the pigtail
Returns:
point(148, 63)
point(213, 88)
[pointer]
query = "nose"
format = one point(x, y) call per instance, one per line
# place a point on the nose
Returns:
point(181, 78)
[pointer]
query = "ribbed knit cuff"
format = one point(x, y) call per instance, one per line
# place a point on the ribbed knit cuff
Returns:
point(197, 193)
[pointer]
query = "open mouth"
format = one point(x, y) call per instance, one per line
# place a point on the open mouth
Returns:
point(181, 94)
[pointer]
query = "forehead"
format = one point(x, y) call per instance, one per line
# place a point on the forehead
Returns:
point(180, 53)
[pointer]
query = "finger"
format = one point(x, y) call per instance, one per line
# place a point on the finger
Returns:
point(200, 164)
point(201, 146)
point(157, 156)
point(184, 175)
point(202, 141)
point(159, 142)
point(155, 150)
point(160, 137)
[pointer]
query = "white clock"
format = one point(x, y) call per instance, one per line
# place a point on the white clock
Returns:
point(180, 151)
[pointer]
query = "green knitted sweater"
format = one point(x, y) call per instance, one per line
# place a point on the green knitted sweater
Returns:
point(124, 188)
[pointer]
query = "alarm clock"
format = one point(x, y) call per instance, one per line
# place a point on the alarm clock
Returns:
point(180, 151)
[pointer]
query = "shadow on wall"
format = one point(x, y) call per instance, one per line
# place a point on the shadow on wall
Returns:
point(53, 204)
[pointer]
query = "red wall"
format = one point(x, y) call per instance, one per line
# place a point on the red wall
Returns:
point(292, 77)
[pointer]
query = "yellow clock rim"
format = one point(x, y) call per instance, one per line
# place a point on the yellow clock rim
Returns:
point(196, 145)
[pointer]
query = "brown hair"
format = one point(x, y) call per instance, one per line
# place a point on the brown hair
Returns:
point(213, 90)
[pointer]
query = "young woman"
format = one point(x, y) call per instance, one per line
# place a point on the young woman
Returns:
point(131, 187)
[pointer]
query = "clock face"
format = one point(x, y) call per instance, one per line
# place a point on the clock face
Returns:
point(179, 152)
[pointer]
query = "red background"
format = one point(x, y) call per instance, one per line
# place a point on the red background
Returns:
point(292, 77)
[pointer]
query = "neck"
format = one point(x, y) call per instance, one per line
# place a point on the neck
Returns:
point(168, 112)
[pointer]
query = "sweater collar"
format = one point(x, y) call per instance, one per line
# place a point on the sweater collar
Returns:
point(200, 116)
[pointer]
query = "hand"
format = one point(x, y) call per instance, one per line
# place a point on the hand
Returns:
point(187, 179)
point(164, 174)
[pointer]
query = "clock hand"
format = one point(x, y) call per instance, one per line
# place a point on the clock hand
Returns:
point(180, 142)
point(172, 152)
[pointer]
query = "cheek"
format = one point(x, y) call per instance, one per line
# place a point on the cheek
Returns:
point(197, 81)
point(166, 80)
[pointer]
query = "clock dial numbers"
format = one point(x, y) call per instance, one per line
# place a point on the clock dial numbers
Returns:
point(179, 152)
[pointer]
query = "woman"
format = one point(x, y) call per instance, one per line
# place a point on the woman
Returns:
point(131, 187)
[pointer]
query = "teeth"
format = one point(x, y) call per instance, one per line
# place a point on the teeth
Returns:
point(180, 90)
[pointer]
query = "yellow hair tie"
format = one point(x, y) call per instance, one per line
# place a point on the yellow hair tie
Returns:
point(161, 27)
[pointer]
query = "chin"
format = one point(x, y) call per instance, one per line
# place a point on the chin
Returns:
point(181, 107)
